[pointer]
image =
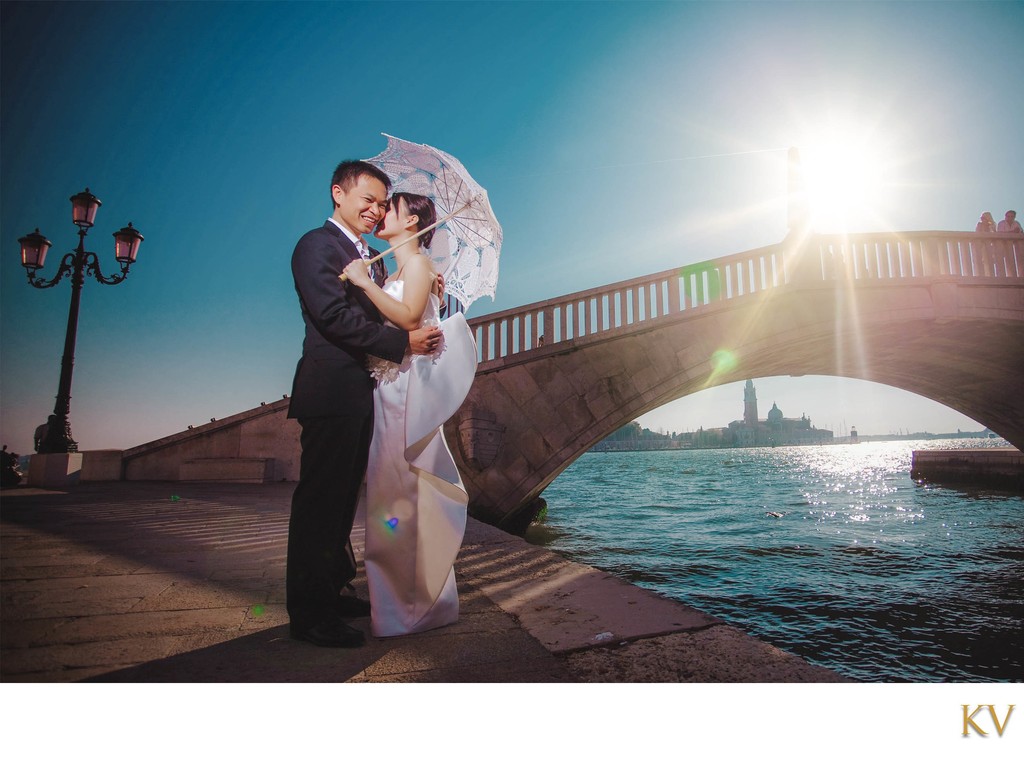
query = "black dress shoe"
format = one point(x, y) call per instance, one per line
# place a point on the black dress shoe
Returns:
point(350, 606)
point(332, 634)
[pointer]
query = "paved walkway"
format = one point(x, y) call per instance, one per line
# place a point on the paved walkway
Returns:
point(184, 582)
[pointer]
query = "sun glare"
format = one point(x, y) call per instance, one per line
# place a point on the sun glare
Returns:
point(847, 182)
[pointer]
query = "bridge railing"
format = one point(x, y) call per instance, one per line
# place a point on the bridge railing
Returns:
point(868, 256)
point(904, 255)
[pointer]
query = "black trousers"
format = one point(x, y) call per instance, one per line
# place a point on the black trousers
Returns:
point(335, 450)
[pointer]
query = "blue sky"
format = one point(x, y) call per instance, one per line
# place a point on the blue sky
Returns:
point(615, 139)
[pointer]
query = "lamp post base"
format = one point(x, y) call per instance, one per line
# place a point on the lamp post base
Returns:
point(54, 470)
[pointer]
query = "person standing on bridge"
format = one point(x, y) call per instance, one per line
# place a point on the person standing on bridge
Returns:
point(986, 223)
point(332, 399)
point(415, 500)
point(1010, 223)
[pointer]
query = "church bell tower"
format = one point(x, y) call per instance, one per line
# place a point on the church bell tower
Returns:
point(749, 404)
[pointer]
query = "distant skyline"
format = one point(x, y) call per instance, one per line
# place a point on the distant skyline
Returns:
point(615, 139)
point(838, 405)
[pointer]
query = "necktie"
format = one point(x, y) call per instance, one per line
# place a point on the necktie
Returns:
point(364, 253)
point(377, 271)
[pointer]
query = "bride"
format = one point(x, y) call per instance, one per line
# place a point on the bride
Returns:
point(415, 499)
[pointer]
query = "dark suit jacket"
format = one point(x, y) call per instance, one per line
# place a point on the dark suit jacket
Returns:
point(342, 326)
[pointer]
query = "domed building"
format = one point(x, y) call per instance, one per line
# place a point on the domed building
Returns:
point(775, 430)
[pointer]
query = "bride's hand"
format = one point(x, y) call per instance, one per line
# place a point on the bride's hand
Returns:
point(358, 272)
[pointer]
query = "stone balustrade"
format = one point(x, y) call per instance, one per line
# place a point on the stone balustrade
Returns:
point(820, 258)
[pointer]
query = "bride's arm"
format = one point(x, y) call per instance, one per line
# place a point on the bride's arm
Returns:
point(418, 277)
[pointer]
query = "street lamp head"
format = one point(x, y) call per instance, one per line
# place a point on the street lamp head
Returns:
point(83, 208)
point(126, 244)
point(33, 250)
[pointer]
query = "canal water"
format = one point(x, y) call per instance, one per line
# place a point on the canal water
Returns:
point(830, 552)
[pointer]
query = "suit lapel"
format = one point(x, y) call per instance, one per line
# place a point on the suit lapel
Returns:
point(346, 244)
point(378, 270)
point(351, 252)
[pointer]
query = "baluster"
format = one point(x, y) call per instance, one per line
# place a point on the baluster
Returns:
point(924, 260)
point(956, 263)
point(855, 259)
point(970, 266)
point(483, 340)
point(1007, 254)
point(687, 290)
point(1002, 258)
point(651, 293)
point(918, 258)
point(941, 256)
point(675, 284)
point(507, 328)
point(991, 263)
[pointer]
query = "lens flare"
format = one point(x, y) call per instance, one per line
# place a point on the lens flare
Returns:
point(723, 361)
point(702, 284)
point(392, 523)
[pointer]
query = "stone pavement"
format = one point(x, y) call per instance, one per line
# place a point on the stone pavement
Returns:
point(184, 582)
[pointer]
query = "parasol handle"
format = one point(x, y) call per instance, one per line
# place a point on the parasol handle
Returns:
point(344, 278)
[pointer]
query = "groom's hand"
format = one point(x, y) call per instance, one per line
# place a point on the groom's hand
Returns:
point(443, 308)
point(424, 340)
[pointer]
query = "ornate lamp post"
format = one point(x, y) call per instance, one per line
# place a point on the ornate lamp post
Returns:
point(77, 264)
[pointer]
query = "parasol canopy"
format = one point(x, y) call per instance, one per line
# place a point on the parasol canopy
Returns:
point(467, 241)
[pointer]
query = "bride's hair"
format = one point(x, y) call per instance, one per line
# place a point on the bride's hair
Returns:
point(423, 208)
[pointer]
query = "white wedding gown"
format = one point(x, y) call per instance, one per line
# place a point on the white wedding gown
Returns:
point(415, 500)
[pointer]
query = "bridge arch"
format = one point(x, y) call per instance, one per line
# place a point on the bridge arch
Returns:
point(940, 314)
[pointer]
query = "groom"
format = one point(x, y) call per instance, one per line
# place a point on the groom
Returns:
point(332, 398)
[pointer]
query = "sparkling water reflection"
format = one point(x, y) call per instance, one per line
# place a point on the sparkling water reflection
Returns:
point(831, 552)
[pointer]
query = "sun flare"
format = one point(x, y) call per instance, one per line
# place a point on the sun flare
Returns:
point(848, 180)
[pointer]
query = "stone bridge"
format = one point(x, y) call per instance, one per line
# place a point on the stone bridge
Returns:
point(940, 314)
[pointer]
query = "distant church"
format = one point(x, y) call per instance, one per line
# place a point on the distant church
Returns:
point(751, 431)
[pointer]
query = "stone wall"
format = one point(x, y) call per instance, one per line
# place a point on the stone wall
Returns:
point(263, 435)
